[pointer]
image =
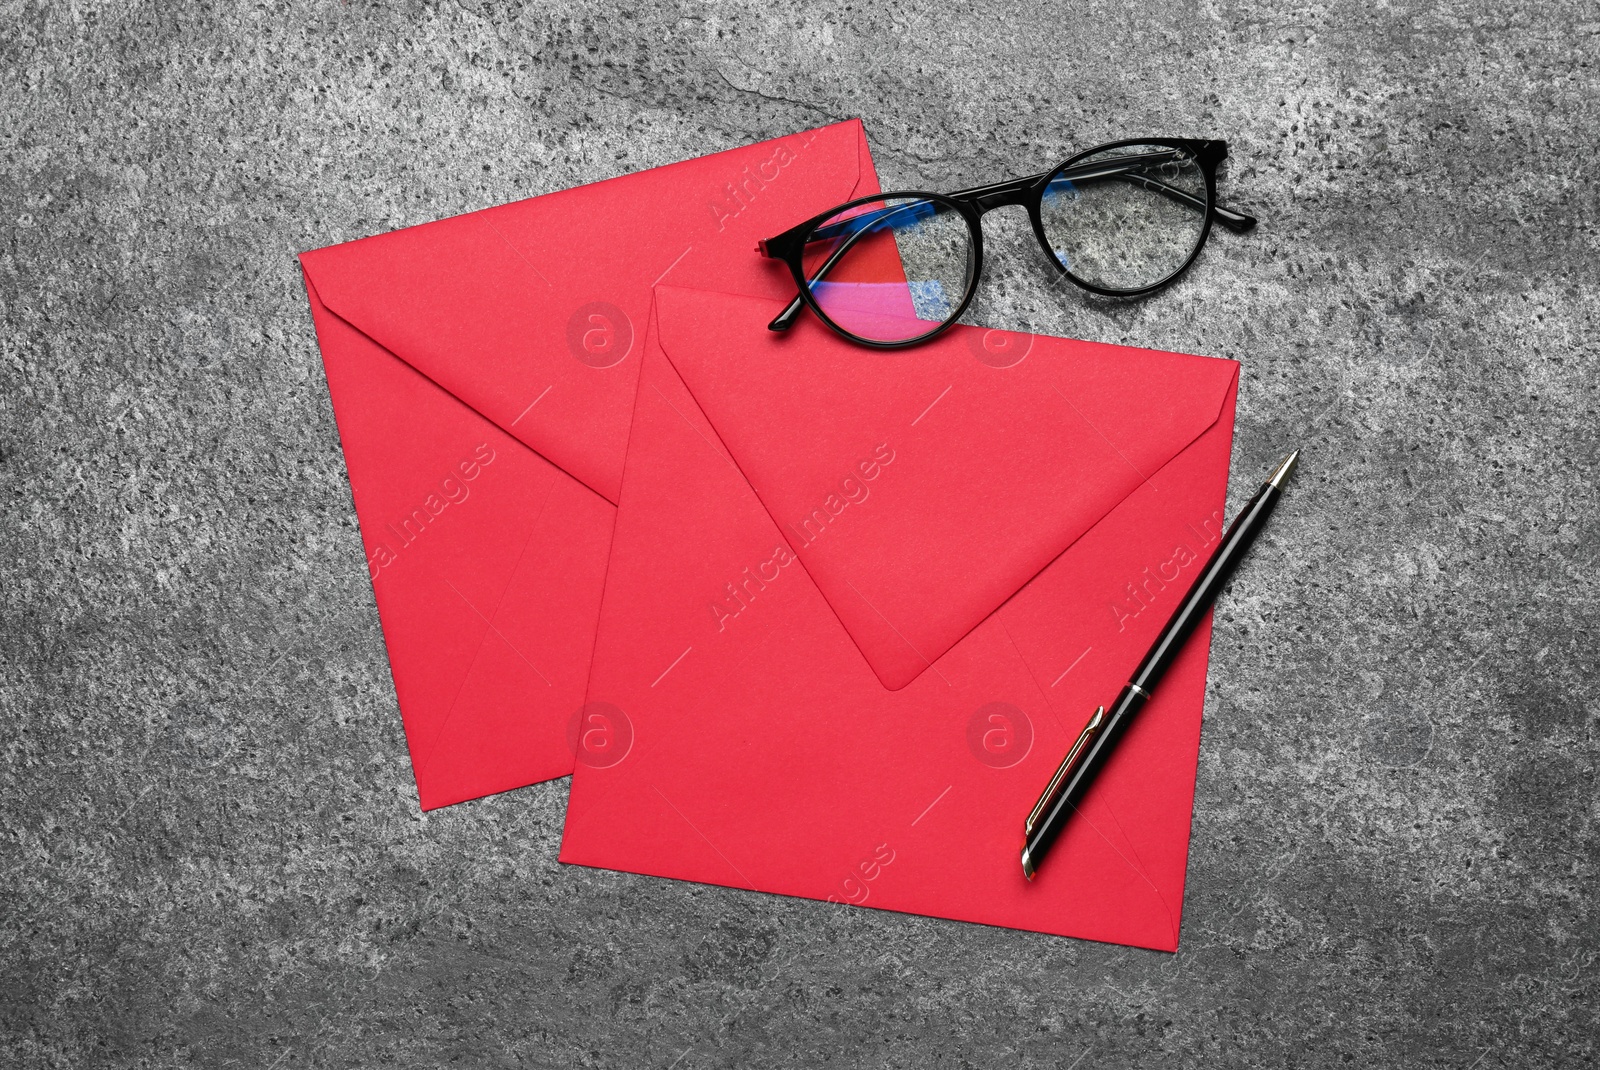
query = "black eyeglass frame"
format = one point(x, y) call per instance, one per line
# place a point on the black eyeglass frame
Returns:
point(972, 204)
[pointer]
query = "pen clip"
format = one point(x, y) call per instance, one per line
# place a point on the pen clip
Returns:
point(1068, 763)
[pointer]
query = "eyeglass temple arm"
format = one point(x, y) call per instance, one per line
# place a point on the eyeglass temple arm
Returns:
point(1237, 222)
point(791, 312)
point(859, 226)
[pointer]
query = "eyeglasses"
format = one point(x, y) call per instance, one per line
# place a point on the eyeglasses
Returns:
point(895, 269)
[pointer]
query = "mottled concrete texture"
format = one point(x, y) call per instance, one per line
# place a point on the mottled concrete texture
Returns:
point(210, 848)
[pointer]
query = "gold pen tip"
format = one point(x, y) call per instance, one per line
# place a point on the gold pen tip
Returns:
point(1027, 864)
point(1284, 468)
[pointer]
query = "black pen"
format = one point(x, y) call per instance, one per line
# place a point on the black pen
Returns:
point(1088, 754)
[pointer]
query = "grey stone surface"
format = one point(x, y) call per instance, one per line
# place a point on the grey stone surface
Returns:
point(210, 849)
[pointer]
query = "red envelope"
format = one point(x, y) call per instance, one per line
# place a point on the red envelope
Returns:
point(482, 371)
point(864, 710)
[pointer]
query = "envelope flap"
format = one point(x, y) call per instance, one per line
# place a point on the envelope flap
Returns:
point(532, 313)
point(922, 488)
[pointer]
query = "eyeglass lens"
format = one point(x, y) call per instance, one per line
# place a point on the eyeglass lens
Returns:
point(1126, 218)
point(891, 270)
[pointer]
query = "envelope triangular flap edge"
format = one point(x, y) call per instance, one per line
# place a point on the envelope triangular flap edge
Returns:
point(479, 302)
point(1120, 414)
